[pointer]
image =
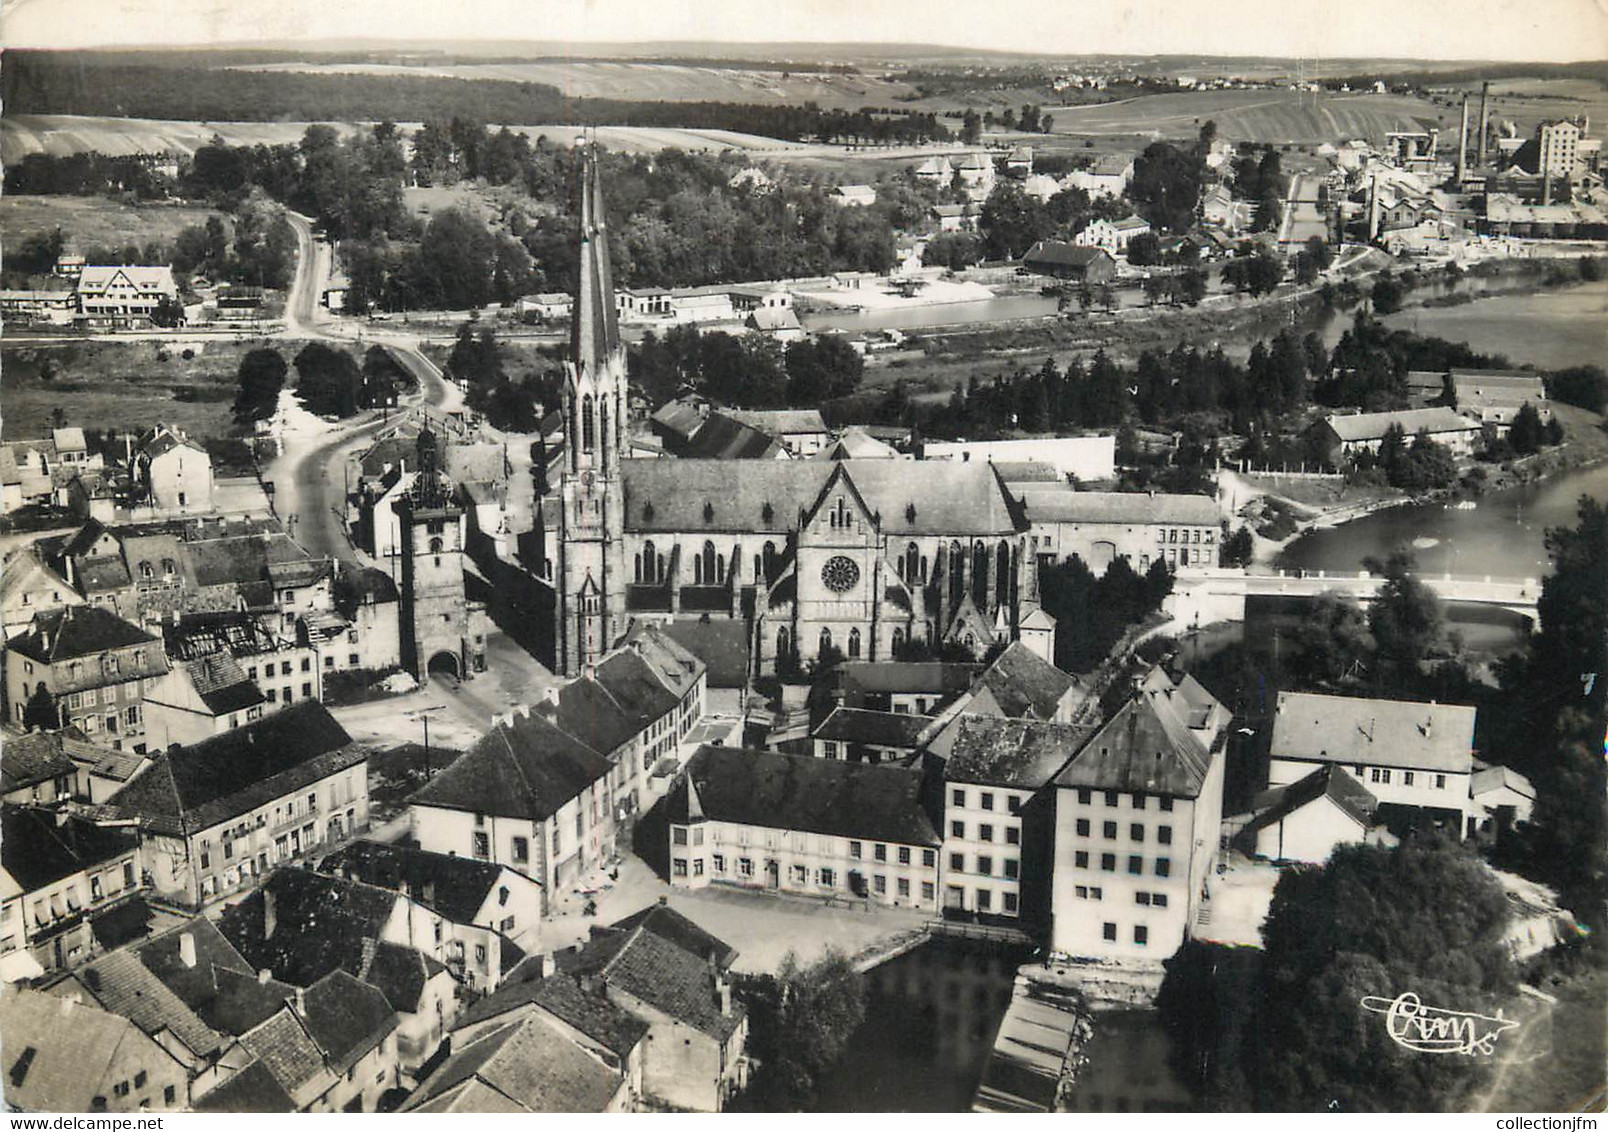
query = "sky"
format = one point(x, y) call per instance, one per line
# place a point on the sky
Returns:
point(1519, 30)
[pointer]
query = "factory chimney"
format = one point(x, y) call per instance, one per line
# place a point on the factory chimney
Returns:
point(1485, 112)
point(1373, 208)
point(1546, 187)
point(1462, 147)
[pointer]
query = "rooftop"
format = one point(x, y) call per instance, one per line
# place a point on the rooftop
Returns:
point(59, 1051)
point(1354, 799)
point(76, 632)
point(39, 847)
point(1023, 683)
point(1021, 753)
point(526, 768)
point(526, 1066)
point(1360, 732)
point(1150, 745)
point(1059, 503)
point(1373, 426)
point(456, 887)
point(873, 728)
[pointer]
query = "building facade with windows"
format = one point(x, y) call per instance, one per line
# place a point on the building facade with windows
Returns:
point(1102, 526)
point(802, 825)
point(1136, 825)
point(217, 816)
point(92, 666)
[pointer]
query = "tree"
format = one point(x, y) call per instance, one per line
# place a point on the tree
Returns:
point(1387, 295)
point(1191, 286)
point(261, 376)
point(41, 711)
point(1166, 186)
point(1144, 250)
point(1426, 917)
point(821, 369)
point(1527, 433)
point(1011, 221)
point(971, 127)
point(1585, 386)
point(802, 1020)
point(328, 380)
point(1237, 548)
point(1332, 642)
point(1405, 618)
point(1319, 252)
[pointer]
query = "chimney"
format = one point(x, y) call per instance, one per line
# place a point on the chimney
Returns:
point(591, 671)
point(44, 640)
point(1373, 208)
point(1462, 147)
point(547, 964)
point(187, 949)
point(664, 901)
point(1429, 727)
point(1485, 97)
point(1546, 187)
point(725, 998)
point(301, 1001)
point(263, 975)
point(270, 919)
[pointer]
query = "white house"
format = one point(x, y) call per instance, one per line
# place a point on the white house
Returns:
point(857, 196)
point(1113, 236)
point(1305, 820)
point(175, 471)
point(1085, 457)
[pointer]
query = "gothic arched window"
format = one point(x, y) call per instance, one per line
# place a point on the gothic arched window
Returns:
point(854, 644)
point(898, 642)
point(912, 564)
point(826, 640)
point(588, 438)
point(708, 559)
point(1002, 573)
point(650, 563)
point(603, 430)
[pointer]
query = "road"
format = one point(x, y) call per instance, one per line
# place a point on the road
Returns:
point(309, 474)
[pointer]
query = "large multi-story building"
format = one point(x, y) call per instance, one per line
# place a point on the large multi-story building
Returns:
point(816, 556)
point(87, 667)
point(1558, 147)
point(1101, 526)
point(1136, 824)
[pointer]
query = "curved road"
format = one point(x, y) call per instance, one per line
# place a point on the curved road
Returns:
point(308, 474)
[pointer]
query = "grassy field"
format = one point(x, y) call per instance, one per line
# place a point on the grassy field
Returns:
point(94, 221)
point(1252, 115)
point(1524, 102)
point(654, 82)
point(122, 385)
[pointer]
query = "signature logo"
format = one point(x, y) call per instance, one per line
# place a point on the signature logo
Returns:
point(1431, 1029)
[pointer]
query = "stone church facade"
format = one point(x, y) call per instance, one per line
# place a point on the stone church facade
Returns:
point(816, 555)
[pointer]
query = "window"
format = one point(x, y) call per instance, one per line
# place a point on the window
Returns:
point(985, 833)
point(957, 829)
point(480, 954)
point(881, 852)
point(1013, 835)
point(1112, 798)
point(1406, 778)
point(829, 749)
point(854, 850)
point(1014, 804)
point(1138, 801)
point(1109, 830)
point(95, 888)
point(206, 854)
point(985, 866)
point(1010, 868)
point(1136, 866)
point(1108, 862)
point(880, 884)
point(1440, 782)
point(929, 858)
point(1142, 898)
point(168, 1095)
point(801, 875)
point(957, 797)
point(904, 854)
point(957, 861)
point(139, 1079)
point(482, 845)
point(1164, 804)
point(1163, 866)
point(521, 850)
point(828, 878)
point(1109, 931)
point(1158, 899)
point(745, 866)
point(985, 900)
point(718, 861)
point(679, 866)
point(987, 800)
point(1080, 860)
point(903, 887)
point(928, 892)
point(1141, 934)
point(1083, 827)
point(1136, 832)
point(1164, 834)
point(678, 835)
point(1085, 797)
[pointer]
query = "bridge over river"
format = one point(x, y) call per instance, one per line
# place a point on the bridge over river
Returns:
point(1220, 594)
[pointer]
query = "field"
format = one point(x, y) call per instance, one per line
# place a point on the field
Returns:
point(94, 221)
point(1281, 116)
point(123, 385)
point(1525, 102)
point(655, 82)
point(62, 134)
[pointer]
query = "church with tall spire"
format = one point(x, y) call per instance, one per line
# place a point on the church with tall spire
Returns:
point(590, 581)
point(814, 557)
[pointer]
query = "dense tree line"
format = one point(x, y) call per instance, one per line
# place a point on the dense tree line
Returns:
point(748, 371)
point(1092, 613)
point(38, 82)
point(85, 174)
point(514, 401)
point(1369, 365)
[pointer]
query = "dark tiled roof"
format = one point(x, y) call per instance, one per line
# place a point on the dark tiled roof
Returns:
point(319, 925)
point(38, 851)
point(663, 920)
point(562, 996)
point(858, 679)
point(527, 768)
point(253, 1089)
point(722, 438)
point(586, 711)
point(840, 799)
point(530, 1064)
point(654, 968)
point(289, 1052)
point(75, 1047)
point(1020, 753)
point(399, 973)
point(456, 887)
point(873, 728)
point(1058, 253)
point(125, 986)
point(635, 686)
point(722, 644)
point(31, 758)
point(1022, 682)
point(347, 1018)
point(947, 497)
point(221, 987)
point(1146, 748)
point(75, 632)
point(1353, 798)
point(194, 788)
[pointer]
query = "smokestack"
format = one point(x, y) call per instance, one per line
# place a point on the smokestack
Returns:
point(1462, 147)
point(1373, 208)
point(187, 950)
point(1546, 187)
point(1485, 117)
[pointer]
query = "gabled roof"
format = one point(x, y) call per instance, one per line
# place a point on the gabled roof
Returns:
point(1023, 683)
point(860, 678)
point(400, 973)
point(455, 887)
point(1020, 753)
point(722, 438)
point(76, 632)
point(722, 645)
point(798, 792)
point(222, 988)
point(289, 1052)
point(221, 683)
point(1366, 732)
point(29, 758)
point(189, 789)
point(525, 1066)
point(779, 422)
point(1059, 253)
point(587, 711)
point(873, 728)
point(347, 1018)
point(1490, 778)
point(37, 850)
point(1351, 797)
point(1373, 426)
point(561, 995)
point(120, 983)
point(857, 444)
point(1147, 747)
point(526, 768)
point(1059, 503)
point(947, 498)
point(319, 924)
point(59, 1052)
point(252, 1089)
point(663, 920)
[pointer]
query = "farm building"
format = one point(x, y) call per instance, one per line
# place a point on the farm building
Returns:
point(1062, 260)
